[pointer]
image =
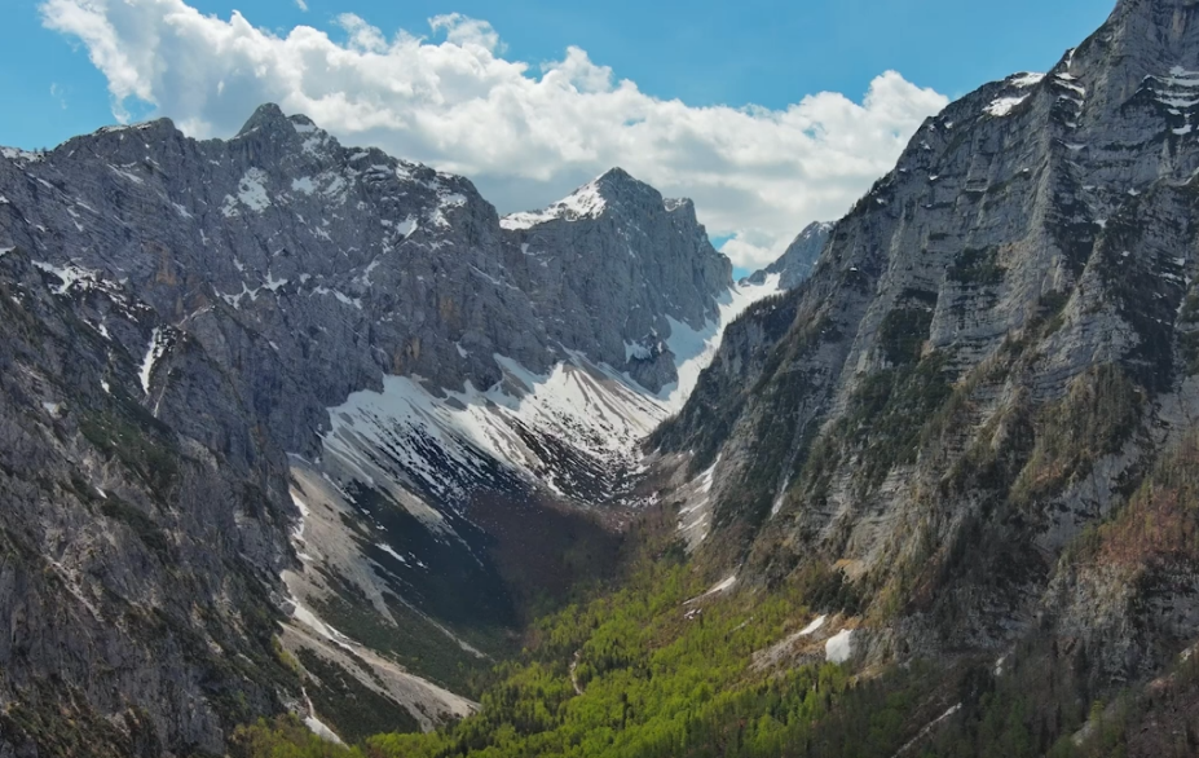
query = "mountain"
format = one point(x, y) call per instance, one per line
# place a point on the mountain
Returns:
point(295, 426)
point(974, 422)
point(939, 498)
point(798, 260)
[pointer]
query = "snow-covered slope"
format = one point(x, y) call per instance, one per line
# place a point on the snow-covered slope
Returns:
point(574, 431)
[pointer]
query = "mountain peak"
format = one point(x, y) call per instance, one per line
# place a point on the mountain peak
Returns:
point(616, 174)
point(267, 115)
point(797, 262)
point(615, 187)
point(616, 183)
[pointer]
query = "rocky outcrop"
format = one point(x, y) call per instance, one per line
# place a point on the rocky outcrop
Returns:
point(139, 557)
point(995, 347)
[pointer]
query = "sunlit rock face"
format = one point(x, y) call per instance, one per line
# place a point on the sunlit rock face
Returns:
point(995, 349)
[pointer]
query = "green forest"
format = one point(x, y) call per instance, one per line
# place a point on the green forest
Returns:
point(662, 669)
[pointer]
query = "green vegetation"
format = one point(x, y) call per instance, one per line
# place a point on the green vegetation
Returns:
point(659, 676)
point(903, 333)
point(886, 416)
point(1095, 418)
point(977, 267)
point(413, 641)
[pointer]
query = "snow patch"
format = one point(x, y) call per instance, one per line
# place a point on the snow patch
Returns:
point(69, 275)
point(320, 729)
point(694, 349)
point(391, 551)
point(272, 283)
point(251, 190)
point(839, 647)
point(406, 227)
point(1026, 79)
point(444, 445)
point(15, 154)
point(721, 586)
point(1003, 106)
point(637, 351)
point(159, 342)
point(813, 627)
point(126, 175)
point(341, 297)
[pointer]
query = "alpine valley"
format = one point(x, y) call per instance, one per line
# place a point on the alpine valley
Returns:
point(305, 451)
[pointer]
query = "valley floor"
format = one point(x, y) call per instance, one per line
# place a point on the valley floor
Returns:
point(665, 664)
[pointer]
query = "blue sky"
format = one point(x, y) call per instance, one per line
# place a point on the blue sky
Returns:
point(703, 53)
point(749, 52)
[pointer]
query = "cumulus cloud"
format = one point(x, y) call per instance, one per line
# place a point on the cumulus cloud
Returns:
point(526, 134)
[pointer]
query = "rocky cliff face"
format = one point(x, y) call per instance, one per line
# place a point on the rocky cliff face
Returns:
point(276, 379)
point(987, 385)
point(139, 556)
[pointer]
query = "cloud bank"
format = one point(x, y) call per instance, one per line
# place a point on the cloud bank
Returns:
point(526, 134)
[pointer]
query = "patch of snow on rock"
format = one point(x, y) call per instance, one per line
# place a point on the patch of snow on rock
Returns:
point(813, 627)
point(251, 190)
point(1003, 106)
point(1026, 79)
point(158, 347)
point(839, 647)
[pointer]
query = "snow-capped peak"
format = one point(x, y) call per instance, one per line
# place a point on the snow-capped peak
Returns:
point(585, 202)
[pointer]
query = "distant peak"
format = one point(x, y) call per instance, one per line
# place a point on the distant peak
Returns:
point(616, 174)
point(816, 228)
point(585, 202)
point(267, 115)
point(613, 188)
point(616, 182)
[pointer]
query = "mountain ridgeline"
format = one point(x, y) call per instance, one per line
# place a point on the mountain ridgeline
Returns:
point(294, 428)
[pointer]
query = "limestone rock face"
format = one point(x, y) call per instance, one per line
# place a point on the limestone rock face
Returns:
point(180, 316)
point(995, 351)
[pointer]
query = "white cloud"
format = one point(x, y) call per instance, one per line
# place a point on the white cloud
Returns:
point(526, 134)
point(302, 5)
